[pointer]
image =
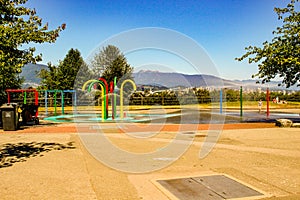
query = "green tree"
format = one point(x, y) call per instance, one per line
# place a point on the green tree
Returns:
point(281, 56)
point(232, 95)
point(69, 68)
point(203, 96)
point(49, 77)
point(64, 75)
point(110, 63)
point(119, 68)
point(18, 26)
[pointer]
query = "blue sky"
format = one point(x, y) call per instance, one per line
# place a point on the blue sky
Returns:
point(222, 27)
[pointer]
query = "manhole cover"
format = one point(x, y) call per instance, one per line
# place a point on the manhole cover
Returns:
point(208, 188)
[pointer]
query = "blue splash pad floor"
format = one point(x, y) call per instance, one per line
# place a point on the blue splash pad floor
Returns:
point(85, 118)
point(178, 118)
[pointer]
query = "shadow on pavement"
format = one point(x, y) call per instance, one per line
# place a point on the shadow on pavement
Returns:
point(19, 152)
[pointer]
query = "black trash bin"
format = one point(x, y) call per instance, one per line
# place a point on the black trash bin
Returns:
point(10, 118)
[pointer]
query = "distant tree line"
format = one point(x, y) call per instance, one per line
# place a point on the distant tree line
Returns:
point(204, 96)
point(171, 97)
point(231, 95)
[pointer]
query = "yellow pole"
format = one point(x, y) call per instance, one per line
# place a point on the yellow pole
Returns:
point(121, 95)
point(93, 81)
point(86, 83)
point(102, 101)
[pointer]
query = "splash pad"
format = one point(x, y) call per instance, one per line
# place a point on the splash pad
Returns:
point(181, 115)
point(109, 92)
point(90, 118)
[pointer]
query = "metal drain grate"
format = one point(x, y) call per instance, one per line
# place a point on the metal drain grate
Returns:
point(208, 188)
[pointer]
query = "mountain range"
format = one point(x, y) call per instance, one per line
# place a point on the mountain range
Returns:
point(29, 72)
point(172, 80)
point(166, 79)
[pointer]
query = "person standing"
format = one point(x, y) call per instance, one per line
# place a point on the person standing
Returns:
point(259, 105)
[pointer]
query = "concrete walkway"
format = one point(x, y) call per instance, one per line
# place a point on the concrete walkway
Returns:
point(57, 165)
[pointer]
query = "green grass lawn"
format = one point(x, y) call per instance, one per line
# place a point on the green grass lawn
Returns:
point(254, 105)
